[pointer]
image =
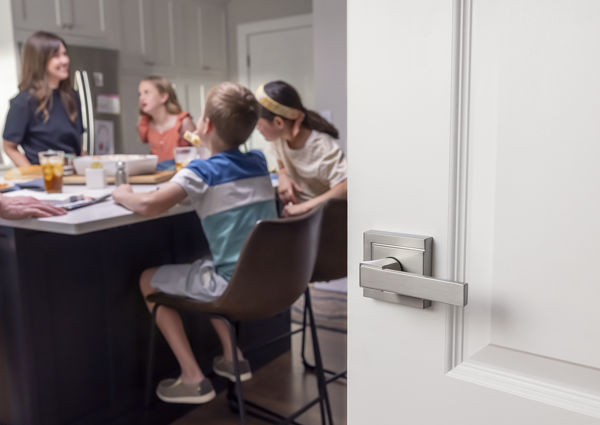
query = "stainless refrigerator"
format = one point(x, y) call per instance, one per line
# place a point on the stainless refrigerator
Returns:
point(95, 75)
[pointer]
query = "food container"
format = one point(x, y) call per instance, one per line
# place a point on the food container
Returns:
point(134, 164)
point(95, 178)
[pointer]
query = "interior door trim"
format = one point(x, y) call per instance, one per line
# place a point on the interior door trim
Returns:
point(489, 367)
point(457, 190)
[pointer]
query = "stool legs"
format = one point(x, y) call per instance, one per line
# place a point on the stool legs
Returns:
point(322, 383)
point(148, 392)
point(307, 365)
point(236, 371)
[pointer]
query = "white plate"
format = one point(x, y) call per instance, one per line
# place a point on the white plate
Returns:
point(9, 187)
point(134, 164)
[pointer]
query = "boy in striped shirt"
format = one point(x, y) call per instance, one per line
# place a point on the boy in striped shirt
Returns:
point(230, 191)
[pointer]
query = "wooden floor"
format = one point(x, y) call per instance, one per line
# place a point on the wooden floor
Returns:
point(284, 386)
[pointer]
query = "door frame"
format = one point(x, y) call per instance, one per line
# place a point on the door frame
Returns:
point(244, 31)
point(493, 369)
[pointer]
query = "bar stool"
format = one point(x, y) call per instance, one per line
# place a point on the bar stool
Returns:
point(273, 270)
point(331, 264)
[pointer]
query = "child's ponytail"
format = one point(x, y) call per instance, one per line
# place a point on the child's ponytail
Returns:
point(281, 92)
point(314, 121)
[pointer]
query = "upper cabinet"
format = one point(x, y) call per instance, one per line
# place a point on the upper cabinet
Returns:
point(214, 36)
point(95, 19)
point(183, 36)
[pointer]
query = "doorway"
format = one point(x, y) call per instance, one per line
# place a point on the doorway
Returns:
point(277, 49)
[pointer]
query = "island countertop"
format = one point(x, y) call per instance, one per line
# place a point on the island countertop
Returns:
point(104, 215)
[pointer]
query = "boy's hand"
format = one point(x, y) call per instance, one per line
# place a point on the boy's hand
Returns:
point(121, 192)
point(286, 189)
point(297, 209)
point(149, 204)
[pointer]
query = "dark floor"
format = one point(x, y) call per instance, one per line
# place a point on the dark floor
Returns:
point(284, 386)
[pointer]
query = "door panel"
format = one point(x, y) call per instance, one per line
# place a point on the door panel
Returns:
point(545, 173)
point(479, 131)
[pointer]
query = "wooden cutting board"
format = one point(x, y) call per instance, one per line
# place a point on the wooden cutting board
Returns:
point(158, 177)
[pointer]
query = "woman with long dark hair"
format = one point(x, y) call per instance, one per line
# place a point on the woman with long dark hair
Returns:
point(312, 167)
point(46, 114)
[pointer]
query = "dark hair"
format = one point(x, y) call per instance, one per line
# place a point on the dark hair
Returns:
point(233, 110)
point(39, 49)
point(285, 94)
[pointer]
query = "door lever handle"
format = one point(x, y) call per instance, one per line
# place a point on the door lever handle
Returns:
point(386, 275)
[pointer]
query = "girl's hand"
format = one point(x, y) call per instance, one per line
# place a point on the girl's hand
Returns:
point(297, 209)
point(286, 189)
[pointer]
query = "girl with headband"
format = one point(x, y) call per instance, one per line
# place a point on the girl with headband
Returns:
point(312, 167)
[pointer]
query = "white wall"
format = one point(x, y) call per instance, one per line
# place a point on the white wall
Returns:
point(329, 26)
point(8, 62)
point(244, 11)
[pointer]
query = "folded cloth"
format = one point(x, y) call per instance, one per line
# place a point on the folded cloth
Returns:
point(12, 189)
point(35, 184)
point(168, 165)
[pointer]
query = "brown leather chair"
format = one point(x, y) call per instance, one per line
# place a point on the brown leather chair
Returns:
point(332, 260)
point(273, 270)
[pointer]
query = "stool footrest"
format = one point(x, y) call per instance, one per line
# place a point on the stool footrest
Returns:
point(268, 415)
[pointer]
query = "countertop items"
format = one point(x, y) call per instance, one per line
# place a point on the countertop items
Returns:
point(135, 164)
point(148, 179)
point(105, 215)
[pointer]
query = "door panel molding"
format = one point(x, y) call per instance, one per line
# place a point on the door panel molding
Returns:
point(558, 383)
point(457, 195)
point(539, 389)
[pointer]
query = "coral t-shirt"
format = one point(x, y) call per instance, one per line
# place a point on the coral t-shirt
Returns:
point(162, 144)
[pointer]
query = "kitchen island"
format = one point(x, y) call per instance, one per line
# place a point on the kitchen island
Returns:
point(73, 325)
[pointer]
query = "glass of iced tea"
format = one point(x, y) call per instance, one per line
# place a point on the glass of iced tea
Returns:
point(183, 156)
point(52, 167)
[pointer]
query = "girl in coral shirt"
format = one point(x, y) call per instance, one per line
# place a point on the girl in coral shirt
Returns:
point(162, 122)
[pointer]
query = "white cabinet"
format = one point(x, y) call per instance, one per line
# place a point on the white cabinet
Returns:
point(199, 36)
point(214, 37)
point(36, 15)
point(162, 28)
point(93, 22)
point(182, 36)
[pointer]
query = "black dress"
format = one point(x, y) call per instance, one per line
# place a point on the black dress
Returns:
point(28, 129)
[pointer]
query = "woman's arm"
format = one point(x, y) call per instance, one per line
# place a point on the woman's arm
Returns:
point(20, 207)
point(339, 191)
point(13, 153)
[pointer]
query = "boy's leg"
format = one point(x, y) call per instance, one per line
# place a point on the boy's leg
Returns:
point(225, 337)
point(223, 365)
point(169, 322)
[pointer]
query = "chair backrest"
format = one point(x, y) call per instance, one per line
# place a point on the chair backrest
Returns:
point(274, 267)
point(332, 257)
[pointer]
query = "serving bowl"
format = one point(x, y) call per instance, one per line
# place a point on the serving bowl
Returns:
point(134, 164)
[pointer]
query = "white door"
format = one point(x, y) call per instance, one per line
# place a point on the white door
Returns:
point(476, 123)
point(280, 49)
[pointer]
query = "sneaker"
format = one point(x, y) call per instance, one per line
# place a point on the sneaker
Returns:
point(225, 369)
point(175, 391)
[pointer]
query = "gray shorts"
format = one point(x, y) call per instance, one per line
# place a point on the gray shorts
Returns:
point(198, 280)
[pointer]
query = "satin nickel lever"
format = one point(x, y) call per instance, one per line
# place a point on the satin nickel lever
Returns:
point(384, 276)
point(396, 270)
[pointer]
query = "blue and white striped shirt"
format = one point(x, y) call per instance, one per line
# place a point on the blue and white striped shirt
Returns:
point(230, 191)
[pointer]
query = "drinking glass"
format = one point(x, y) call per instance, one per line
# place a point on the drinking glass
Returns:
point(52, 168)
point(183, 156)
